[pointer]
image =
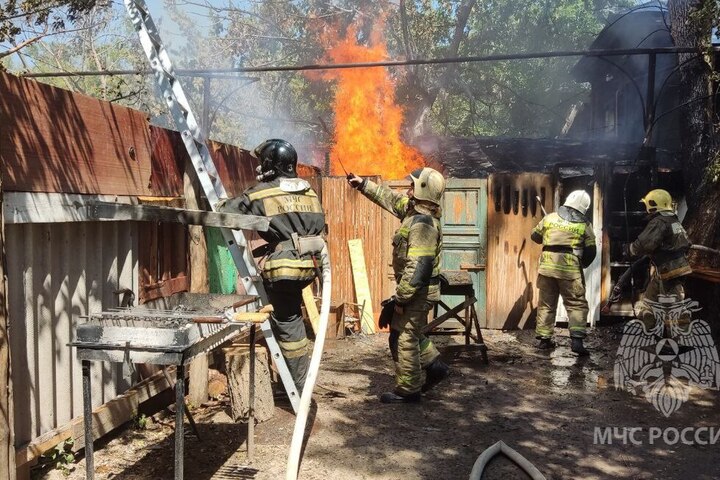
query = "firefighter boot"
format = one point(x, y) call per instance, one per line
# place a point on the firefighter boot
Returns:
point(435, 373)
point(392, 397)
point(577, 346)
point(546, 344)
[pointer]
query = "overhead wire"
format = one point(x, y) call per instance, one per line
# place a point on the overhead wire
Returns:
point(388, 63)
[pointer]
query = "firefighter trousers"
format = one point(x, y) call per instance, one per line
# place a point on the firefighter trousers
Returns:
point(655, 288)
point(289, 327)
point(573, 294)
point(412, 351)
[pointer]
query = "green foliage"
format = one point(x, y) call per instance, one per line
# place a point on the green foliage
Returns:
point(519, 98)
point(103, 39)
point(60, 457)
point(140, 421)
point(39, 17)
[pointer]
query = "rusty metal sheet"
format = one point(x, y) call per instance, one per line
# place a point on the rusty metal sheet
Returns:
point(54, 140)
point(512, 257)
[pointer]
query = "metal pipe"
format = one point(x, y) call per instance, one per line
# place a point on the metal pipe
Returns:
point(179, 410)
point(251, 410)
point(193, 425)
point(390, 63)
point(87, 421)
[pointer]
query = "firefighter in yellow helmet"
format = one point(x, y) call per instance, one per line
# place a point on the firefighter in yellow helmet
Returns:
point(296, 220)
point(568, 244)
point(666, 242)
point(417, 246)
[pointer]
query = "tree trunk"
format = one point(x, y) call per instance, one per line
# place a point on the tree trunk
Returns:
point(417, 116)
point(698, 148)
point(237, 366)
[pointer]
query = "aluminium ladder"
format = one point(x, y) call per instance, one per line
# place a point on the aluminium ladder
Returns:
point(174, 96)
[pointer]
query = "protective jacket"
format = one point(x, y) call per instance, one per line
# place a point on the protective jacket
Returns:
point(294, 210)
point(417, 244)
point(666, 242)
point(568, 244)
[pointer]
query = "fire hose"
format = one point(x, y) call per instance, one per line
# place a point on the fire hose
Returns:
point(637, 265)
point(293, 464)
point(501, 447)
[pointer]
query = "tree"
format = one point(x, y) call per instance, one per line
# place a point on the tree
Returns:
point(691, 22)
point(26, 22)
point(528, 98)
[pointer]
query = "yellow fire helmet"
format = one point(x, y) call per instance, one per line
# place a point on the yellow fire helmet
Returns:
point(657, 200)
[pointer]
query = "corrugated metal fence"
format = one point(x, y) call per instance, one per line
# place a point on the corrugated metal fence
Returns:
point(57, 273)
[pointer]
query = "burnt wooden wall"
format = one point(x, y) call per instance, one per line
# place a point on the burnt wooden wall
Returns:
point(350, 215)
point(512, 257)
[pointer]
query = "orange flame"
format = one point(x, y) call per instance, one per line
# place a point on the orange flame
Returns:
point(367, 120)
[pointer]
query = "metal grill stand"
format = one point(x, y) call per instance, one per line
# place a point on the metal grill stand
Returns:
point(154, 337)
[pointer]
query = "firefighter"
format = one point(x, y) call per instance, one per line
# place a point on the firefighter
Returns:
point(293, 243)
point(666, 242)
point(417, 246)
point(568, 244)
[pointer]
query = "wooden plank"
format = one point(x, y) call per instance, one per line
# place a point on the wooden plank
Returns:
point(106, 418)
point(152, 213)
point(311, 307)
point(452, 313)
point(7, 449)
point(34, 207)
point(165, 288)
point(362, 287)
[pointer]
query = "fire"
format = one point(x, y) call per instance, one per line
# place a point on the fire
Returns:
point(368, 122)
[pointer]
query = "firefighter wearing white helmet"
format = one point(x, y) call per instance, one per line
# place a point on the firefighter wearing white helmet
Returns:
point(417, 246)
point(568, 244)
point(666, 242)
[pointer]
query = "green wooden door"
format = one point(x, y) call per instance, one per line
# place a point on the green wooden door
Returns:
point(465, 235)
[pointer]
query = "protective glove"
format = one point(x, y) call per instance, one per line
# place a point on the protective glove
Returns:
point(356, 182)
point(626, 251)
point(387, 312)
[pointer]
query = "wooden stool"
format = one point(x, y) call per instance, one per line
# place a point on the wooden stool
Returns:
point(458, 283)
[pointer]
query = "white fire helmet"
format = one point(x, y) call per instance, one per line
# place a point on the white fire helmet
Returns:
point(428, 185)
point(579, 200)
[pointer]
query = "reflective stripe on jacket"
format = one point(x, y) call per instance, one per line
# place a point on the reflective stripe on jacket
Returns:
point(666, 242)
point(292, 207)
point(417, 244)
point(567, 246)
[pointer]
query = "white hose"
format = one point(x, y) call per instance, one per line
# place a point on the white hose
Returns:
point(501, 447)
point(293, 464)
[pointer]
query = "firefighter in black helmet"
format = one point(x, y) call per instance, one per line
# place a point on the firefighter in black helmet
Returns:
point(294, 243)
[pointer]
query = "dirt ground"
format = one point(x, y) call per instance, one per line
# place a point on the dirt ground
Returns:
point(545, 406)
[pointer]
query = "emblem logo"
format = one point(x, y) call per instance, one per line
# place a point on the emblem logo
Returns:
point(667, 361)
